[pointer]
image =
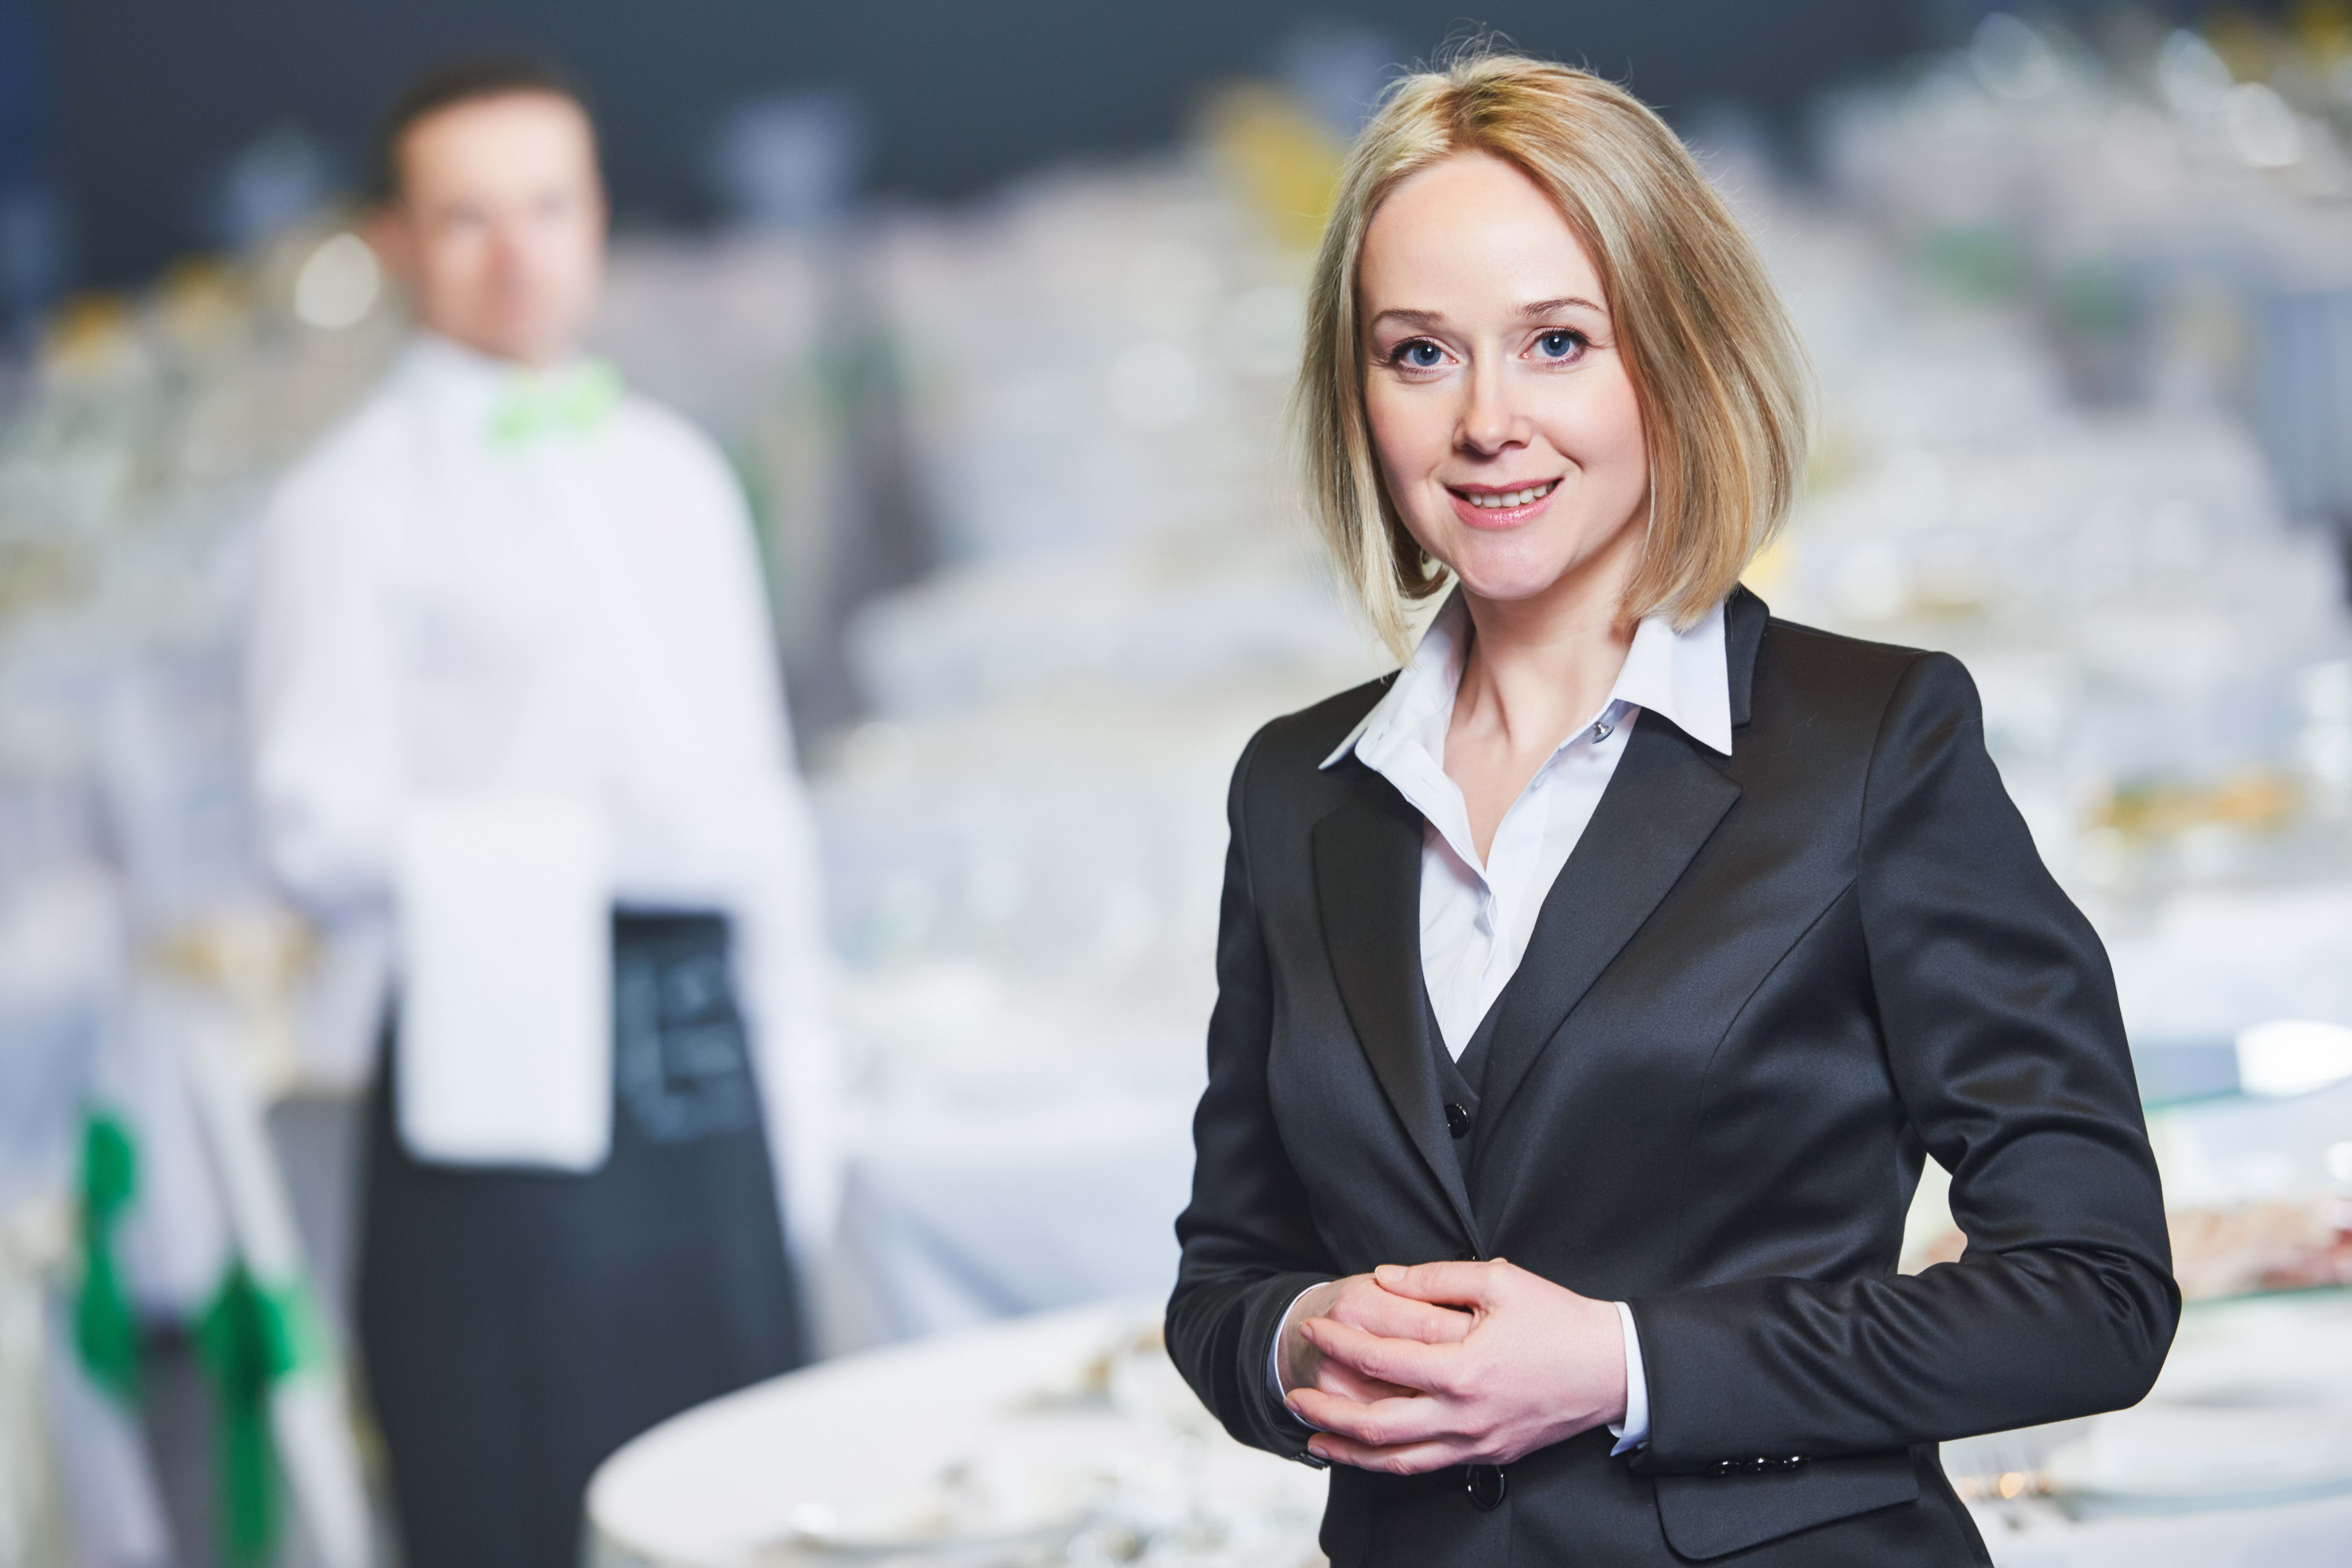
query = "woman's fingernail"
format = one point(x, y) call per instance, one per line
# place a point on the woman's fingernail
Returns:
point(1388, 1272)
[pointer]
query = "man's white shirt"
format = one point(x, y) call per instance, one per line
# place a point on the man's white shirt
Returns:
point(443, 608)
point(1476, 915)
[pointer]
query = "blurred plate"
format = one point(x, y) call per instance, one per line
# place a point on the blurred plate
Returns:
point(984, 1549)
point(1024, 1492)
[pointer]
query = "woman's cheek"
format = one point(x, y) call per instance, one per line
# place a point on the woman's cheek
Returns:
point(1407, 470)
point(1412, 424)
point(1603, 418)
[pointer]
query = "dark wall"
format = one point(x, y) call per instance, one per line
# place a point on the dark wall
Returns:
point(157, 95)
point(33, 259)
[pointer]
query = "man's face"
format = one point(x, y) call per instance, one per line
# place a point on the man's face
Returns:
point(498, 225)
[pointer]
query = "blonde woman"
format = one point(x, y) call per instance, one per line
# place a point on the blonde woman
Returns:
point(1591, 990)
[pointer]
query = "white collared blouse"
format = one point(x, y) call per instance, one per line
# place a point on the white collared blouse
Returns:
point(1476, 917)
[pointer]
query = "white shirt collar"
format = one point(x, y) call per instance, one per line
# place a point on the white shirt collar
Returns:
point(466, 379)
point(456, 382)
point(1684, 677)
point(447, 362)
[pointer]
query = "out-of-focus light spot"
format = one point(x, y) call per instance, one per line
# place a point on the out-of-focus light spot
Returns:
point(815, 1519)
point(1871, 582)
point(1173, 284)
point(1154, 386)
point(2292, 1056)
point(2261, 125)
point(337, 284)
point(996, 889)
point(1263, 329)
point(879, 754)
point(2323, 691)
point(2142, 150)
point(2011, 59)
point(2338, 1159)
point(2192, 78)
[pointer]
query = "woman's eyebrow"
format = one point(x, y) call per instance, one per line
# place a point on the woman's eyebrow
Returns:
point(1430, 320)
point(1551, 307)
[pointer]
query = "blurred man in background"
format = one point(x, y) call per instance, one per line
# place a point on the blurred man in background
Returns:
point(512, 687)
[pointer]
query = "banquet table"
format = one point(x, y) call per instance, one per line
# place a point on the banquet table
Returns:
point(951, 1219)
point(870, 1439)
point(817, 1466)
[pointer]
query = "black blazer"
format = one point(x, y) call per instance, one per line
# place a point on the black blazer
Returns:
point(1762, 988)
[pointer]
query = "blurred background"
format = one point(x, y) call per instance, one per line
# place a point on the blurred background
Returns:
point(994, 310)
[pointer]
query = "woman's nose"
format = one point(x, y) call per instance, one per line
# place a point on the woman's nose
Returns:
point(1489, 419)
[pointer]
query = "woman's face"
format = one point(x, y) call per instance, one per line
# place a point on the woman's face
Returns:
point(1504, 417)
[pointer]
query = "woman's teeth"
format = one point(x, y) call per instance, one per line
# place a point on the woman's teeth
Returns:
point(1495, 503)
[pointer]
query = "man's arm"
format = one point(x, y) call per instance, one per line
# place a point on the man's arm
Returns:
point(322, 699)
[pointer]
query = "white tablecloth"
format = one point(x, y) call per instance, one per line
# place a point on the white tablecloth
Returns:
point(951, 1219)
point(710, 1488)
point(855, 1435)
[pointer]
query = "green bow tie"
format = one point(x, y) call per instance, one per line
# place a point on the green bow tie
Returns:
point(570, 402)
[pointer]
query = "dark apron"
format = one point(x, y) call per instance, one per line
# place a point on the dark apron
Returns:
point(518, 1325)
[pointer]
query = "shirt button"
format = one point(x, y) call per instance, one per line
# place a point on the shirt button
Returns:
point(1457, 1121)
point(1602, 730)
point(1486, 1484)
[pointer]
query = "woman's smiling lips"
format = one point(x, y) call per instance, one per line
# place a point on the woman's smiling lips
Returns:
point(1501, 506)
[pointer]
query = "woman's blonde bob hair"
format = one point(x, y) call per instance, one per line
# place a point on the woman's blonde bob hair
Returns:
point(1724, 388)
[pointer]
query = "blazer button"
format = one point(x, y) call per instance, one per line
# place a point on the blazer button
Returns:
point(1457, 1121)
point(1486, 1484)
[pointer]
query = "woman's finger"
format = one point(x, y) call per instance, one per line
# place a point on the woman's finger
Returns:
point(1444, 1284)
point(1411, 1459)
point(1407, 1362)
point(1384, 1423)
point(1336, 1378)
point(1392, 1316)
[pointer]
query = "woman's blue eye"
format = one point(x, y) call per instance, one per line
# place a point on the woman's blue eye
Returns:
point(1422, 356)
point(1559, 345)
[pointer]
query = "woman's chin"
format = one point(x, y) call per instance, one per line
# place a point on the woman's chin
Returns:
point(1509, 582)
point(1511, 567)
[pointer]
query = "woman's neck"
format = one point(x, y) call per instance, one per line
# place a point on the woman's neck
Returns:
point(1538, 669)
point(1541, 667)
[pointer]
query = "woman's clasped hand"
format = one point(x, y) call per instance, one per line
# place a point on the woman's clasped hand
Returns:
point(1409, 1369)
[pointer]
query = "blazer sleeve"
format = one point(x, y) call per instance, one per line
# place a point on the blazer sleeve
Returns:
point(2007, 1052)
point(1249, 1242)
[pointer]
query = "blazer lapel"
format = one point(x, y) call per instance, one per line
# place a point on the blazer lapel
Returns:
point(1664, 801)
point(1367, 881)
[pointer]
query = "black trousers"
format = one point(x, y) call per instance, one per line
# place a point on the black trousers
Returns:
point(518, 1326)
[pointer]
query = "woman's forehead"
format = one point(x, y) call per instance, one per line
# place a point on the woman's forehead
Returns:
point(1473, 235)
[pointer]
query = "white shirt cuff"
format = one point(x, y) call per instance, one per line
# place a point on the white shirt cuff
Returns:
point(1274, 1358)
point(1634, 1430)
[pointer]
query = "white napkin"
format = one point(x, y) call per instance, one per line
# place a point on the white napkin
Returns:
point(506, 1029)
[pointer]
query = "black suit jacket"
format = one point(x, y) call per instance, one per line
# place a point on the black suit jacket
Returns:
point(1762, 988)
